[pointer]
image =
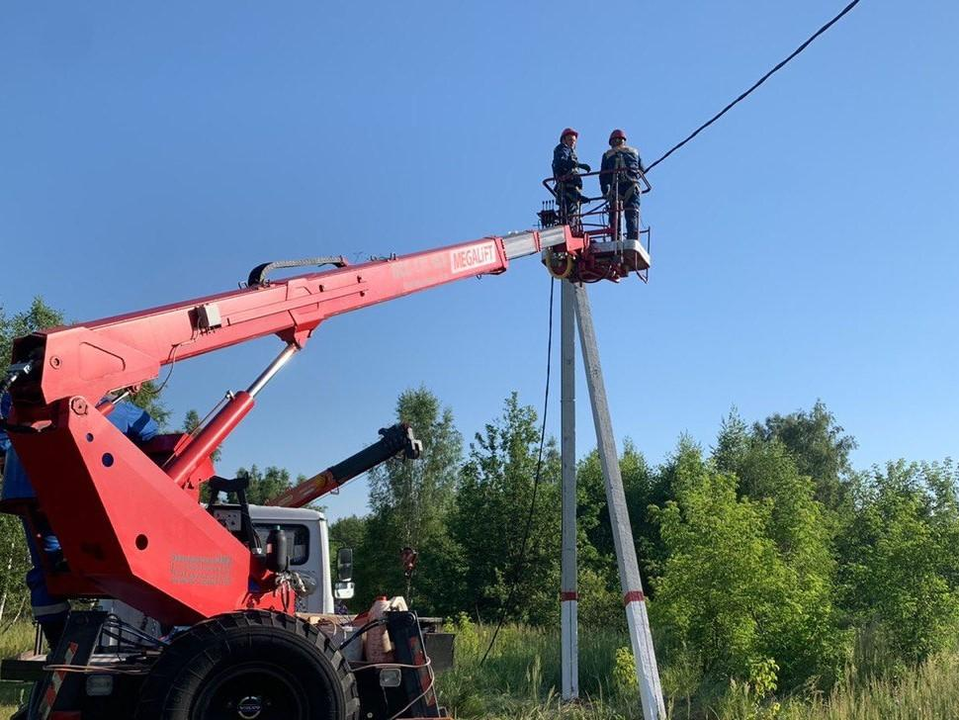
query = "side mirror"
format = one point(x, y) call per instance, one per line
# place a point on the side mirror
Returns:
point(343, 590)
point(345, 564)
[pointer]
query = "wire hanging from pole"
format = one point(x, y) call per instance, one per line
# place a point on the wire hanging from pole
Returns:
point(518, 569)
point(753, 87)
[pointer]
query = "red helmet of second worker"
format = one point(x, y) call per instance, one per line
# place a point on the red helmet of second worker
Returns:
point(617, 134)
point(569, 131)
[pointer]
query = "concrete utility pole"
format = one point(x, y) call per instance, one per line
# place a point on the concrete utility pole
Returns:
point(651, 695)
point(569, 671)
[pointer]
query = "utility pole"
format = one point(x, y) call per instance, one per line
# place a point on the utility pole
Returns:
point(651, 695)
point(569, 671)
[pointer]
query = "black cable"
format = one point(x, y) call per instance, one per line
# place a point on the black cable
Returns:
point(361, 631)
point(518, 570)
point(757, 84)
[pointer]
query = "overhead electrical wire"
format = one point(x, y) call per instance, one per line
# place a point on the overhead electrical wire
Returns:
point(521, 556)
point(753, 87)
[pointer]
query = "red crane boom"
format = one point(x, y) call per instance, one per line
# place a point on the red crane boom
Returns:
point(127, 527)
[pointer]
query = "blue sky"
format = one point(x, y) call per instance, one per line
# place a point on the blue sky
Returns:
point(805, 247)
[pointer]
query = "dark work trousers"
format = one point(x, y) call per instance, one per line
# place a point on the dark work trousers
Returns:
point(569, 209)
point(631, 213)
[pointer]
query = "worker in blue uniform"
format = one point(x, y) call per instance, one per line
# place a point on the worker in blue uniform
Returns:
point(50, 611)
point(566, 171)
point(620, 181)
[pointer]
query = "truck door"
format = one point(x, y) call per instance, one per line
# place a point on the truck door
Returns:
point(305, 557)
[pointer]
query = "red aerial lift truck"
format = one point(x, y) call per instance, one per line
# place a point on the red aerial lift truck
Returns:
point(132, 527)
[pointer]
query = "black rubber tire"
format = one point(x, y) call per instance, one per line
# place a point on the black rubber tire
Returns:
point(292, 668)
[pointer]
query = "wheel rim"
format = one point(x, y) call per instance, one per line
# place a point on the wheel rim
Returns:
point(253, 691)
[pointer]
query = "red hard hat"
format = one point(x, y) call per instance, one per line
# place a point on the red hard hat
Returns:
point(618, 133)
point(569, 131)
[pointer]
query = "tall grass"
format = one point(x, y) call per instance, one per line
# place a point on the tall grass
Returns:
point(927, 692)
point(14, 639)
point(521, 680)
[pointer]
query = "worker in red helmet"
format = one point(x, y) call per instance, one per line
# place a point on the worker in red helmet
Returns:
point(620, 182)
point(566, 171)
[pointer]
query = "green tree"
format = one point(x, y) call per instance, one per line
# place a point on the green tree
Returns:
point(346, 532)
point(14, 563)
point(410, 503)
point(491, 519)
point(727, 590)
point(36, 317)
point(819, 447)
point(264, 484)
point(802, 530)
point(598, 582)
point(419, 493)
point(898, 569)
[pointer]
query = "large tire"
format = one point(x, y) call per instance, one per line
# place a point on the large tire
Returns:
point(251, 665)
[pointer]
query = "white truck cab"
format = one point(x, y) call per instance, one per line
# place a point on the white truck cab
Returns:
point(308, 544)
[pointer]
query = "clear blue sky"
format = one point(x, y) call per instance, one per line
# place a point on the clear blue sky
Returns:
point(805, 247)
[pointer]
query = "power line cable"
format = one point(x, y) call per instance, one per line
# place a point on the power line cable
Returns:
point(753, 87)
point(518, 568)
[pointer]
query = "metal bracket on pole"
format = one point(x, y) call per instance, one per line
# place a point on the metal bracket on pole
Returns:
point(651, 695)
point(570, 686)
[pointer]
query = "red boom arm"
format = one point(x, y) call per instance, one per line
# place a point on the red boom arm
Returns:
point(129, 532)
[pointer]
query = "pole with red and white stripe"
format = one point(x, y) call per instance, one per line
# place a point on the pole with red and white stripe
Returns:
point(651, 695)
point(569, 671)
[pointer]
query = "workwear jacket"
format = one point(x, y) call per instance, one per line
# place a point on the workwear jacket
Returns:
point(565, 162)
point(623, 158)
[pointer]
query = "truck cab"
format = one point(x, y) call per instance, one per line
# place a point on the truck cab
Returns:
point(308, 547)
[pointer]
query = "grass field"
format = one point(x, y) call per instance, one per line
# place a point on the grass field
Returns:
point(14, 639)
point(520, 681)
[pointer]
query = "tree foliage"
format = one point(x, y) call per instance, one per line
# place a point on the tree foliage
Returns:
point(898, 572)
point(819, 447)
point(727, 588)
point(36, 317)
point(191, 421)
point(410, 502)
point(763, 557)
point(510, 536)
point(264, 484)
point(601, 599)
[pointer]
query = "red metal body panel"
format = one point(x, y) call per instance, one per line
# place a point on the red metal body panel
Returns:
point(127, 527)
point(128, 530)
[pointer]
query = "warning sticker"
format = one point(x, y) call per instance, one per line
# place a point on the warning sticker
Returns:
point(473, 257)
point(200, 570)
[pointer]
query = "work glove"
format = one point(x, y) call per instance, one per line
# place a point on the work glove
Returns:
point(584, 167)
